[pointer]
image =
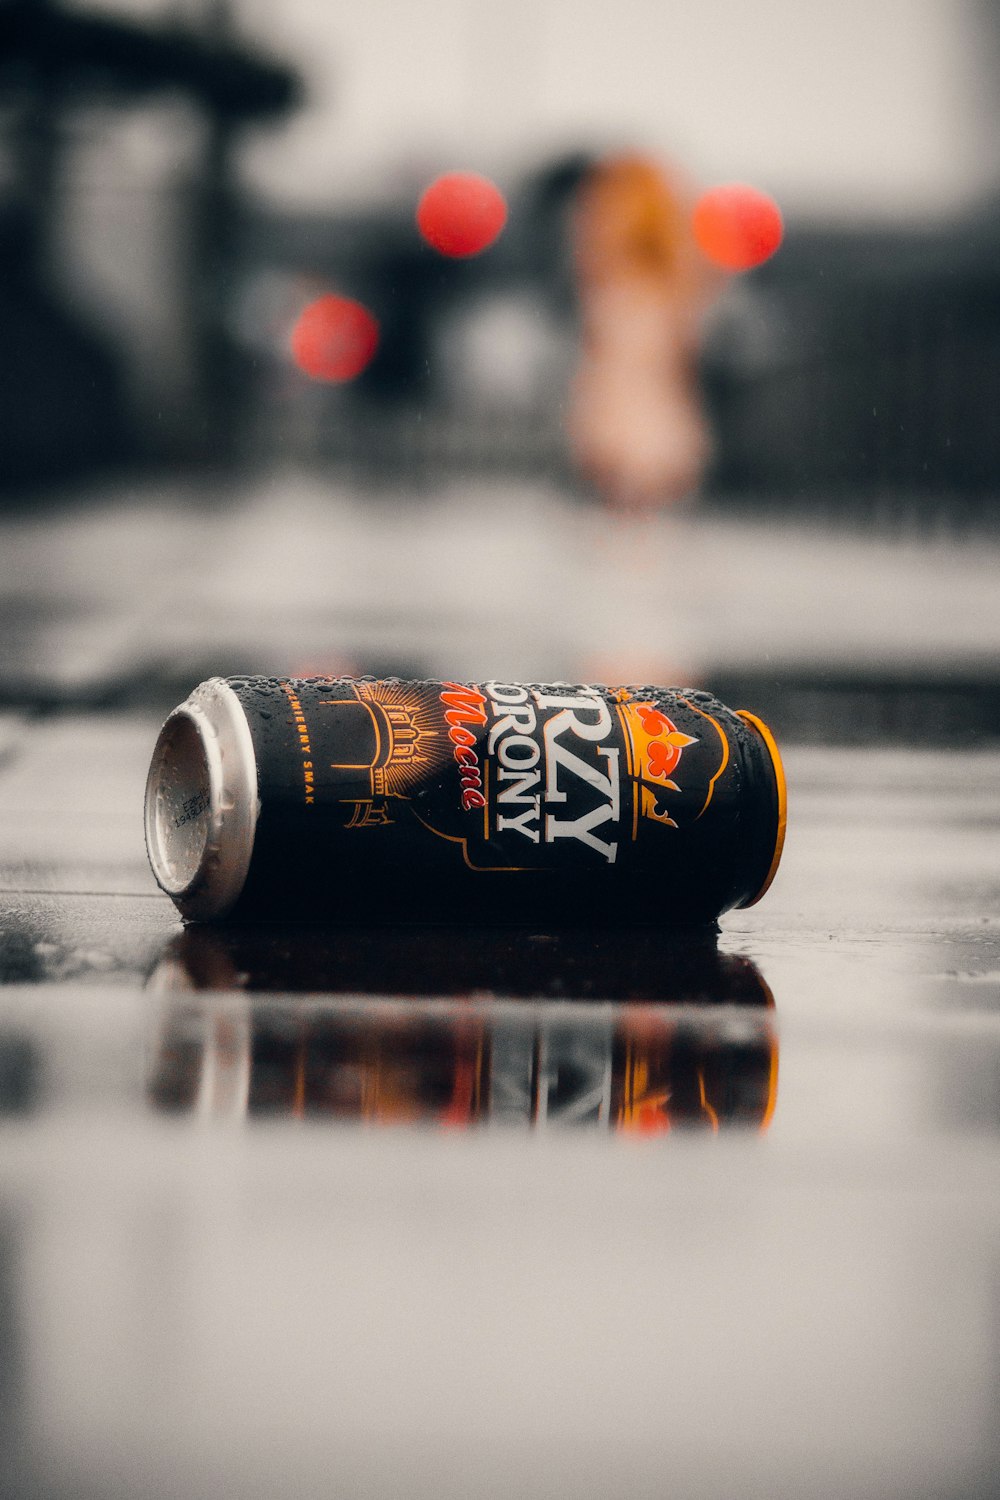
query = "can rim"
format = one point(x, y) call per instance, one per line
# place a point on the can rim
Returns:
point(782, 792)
point(209, 884)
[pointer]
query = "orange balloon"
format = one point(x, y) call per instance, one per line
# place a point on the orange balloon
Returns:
point(461, 214)
point(334, 338)
point(737, 227)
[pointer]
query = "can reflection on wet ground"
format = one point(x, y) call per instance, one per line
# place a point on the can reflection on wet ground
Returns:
point(693, 1047)
point(618, 1068)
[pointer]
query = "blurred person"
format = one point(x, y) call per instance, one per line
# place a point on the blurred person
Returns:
point(636, 421)
point(600, 252)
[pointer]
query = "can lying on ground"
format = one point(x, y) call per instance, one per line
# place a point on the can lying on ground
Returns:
point(551, 803)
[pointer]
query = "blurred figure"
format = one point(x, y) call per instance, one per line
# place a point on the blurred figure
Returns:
point(585, 314)
point(636, 422)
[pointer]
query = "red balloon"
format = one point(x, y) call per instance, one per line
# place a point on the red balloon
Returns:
point(737, 227)
point(334, 338)
point(461, 214)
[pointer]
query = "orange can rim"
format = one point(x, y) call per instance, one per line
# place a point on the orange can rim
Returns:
point(782, 790)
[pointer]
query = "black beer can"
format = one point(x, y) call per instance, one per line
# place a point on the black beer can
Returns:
point(381, 799)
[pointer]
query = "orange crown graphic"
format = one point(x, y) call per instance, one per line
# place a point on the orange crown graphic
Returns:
point(655, 749)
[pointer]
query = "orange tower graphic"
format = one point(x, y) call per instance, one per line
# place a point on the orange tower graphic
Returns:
point(384, 740)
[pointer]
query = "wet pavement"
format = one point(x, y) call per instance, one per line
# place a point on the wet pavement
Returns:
point(474, 1213)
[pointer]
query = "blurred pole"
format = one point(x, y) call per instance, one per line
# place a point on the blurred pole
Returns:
point(36, 149)
point(216, 366)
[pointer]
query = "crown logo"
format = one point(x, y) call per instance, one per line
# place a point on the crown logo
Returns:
point(655, 749)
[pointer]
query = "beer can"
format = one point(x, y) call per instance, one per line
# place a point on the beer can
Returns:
point(351, 799)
